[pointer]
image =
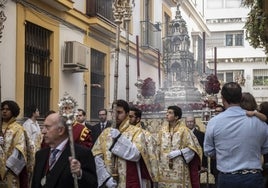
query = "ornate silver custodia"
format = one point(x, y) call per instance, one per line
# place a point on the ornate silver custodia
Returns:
point(179, 66)
point(67, 106)
point(67, 109)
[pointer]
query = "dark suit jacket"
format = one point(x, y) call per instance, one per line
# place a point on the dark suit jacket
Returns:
point(96, 130)
point(60, 175)
point(200, 137)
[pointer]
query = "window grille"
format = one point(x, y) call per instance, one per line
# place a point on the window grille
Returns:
point(37, 68)
point(260, 77)
point(102, 8)
point(97, 79)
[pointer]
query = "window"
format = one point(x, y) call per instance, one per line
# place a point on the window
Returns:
point(97, 79)
point(231, 76)
point(260, 77)
point(232, 3)
point(166, 22)
point(212, 4)
point(239, 40)
point(229, 40)
point(220, 77)
point(234, 39)
point(101, 8)
point(37, 68)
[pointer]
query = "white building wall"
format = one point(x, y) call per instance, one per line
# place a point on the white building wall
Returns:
point(228, 54)
point(8, 53)
point(80, 5)
point(71, 83)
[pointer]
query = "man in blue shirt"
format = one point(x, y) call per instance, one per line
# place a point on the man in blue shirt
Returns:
point(237, 141)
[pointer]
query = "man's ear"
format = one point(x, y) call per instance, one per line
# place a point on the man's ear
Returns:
point(62, 130)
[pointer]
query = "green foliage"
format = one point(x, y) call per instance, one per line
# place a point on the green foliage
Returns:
point(256, 24)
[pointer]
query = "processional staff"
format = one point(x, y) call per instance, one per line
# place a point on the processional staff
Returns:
point(119, 10)
point(67, 109)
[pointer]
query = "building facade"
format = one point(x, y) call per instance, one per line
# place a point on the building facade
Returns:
point(227, 45)
point(49, 47)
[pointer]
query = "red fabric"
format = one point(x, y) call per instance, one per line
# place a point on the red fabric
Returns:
point(44, 145)
point(194, 167)
point(132, 178)
point(77, 130)
point(24, 178)
point(144, 172)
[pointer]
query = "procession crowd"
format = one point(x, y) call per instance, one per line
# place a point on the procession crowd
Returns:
point(231, 153)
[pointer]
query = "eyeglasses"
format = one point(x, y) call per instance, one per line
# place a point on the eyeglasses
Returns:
point(102, 114)
point(130, 116)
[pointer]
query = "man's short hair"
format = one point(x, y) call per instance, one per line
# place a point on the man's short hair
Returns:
point(136, 111)
point(83, 111)
point(177, 111)
point(30, 110)
point(232, 93)
point(102, 109)
point(122, 103)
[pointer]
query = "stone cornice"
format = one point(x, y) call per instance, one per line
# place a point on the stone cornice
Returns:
point(225, 20)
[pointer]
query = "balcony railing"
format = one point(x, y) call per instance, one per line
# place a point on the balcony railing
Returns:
point(102, 8)
point(150, 35)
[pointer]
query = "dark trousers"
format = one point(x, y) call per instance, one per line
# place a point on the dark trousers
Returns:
point(240, 180)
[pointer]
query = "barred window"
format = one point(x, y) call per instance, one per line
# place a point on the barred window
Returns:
point(37, 68)
point(260, 77)
point(97, 82)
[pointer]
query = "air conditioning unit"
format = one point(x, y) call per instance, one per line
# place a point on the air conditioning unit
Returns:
point(77, 56)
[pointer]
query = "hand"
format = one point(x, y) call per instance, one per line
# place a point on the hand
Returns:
point(114, 132)
point(174, 154)
point(250, 113)
point(75, 167)
point(111, 183)
point(1, 140)
point(203, 169)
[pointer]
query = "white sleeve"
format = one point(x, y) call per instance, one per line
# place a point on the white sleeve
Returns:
point(102, 173)
point(16, 162)
point(125, 149)
point(187, 154)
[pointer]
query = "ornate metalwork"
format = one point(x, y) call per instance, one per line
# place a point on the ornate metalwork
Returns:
point(121, 8)
point(2, 3)
point(2, 17)
point(67, 109)
point(2, 20)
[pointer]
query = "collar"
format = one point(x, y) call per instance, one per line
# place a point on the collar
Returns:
point(61, 146)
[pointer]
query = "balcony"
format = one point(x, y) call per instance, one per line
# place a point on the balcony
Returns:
point(150, 35)
point(100, 8)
